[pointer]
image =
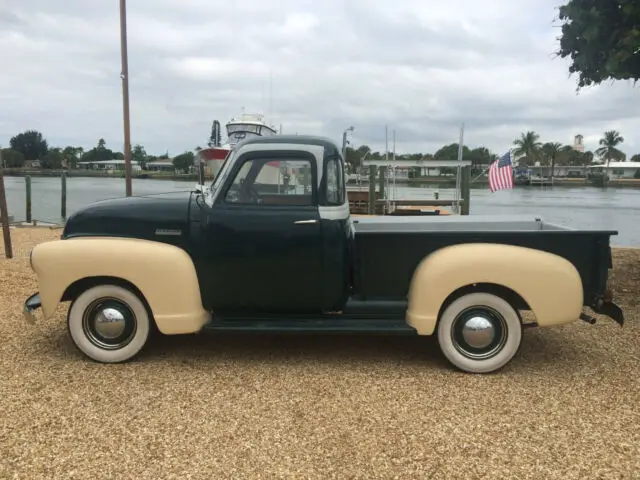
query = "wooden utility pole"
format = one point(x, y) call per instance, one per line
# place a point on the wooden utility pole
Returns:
point(4, 215)
point(125, 95)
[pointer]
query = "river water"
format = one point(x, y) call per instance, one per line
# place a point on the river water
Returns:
point(577, 207)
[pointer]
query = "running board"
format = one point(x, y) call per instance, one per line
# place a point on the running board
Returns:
point(397, 326)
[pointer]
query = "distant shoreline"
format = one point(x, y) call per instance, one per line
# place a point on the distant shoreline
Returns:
point(436, 181)
point(81, 173)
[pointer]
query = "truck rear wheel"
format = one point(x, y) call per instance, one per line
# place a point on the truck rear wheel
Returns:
point(109, 323)
point(479, 332)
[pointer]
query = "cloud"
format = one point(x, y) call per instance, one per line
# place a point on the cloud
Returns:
point(422, 68)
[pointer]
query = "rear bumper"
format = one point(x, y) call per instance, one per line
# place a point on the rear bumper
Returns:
point(611, 310)
point(31, 304)
point(604, 305)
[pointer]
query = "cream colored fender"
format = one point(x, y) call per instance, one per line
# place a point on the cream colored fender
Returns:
point(550, 284)
point(163, 273)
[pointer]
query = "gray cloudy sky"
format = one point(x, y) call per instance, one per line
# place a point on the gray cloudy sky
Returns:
point(420, 67)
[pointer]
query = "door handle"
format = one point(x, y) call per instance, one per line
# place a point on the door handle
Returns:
point(301, 222)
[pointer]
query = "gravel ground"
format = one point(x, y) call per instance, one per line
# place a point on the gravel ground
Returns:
point(316, 407)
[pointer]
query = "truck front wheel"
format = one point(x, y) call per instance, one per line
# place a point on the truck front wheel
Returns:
point(479, 332)
point(109, 323)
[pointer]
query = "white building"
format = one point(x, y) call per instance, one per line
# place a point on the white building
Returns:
point(427, 168)
point(109, 165)
point(617, 169)
point(117, 165)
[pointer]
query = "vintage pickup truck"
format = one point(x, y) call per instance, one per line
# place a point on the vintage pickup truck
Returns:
point(271, 246)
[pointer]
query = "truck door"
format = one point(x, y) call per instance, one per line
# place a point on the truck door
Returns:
point(261, 242)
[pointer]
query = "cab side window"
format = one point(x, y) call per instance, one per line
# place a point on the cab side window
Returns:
point(335, 182)
point(272, 182)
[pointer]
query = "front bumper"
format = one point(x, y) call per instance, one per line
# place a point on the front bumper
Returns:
point(31, 304)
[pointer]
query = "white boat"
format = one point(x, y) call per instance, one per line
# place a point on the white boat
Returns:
point(237, 129)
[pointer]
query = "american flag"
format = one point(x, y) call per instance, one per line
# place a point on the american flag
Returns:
point(501, 173)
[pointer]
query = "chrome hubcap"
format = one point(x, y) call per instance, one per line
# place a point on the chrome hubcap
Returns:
point(479, 333)
point(109, 323)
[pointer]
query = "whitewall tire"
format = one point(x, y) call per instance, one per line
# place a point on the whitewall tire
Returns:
point(479, 332)
point(109, 323)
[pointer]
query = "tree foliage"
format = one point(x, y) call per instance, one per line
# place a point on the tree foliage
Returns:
point(550, 151)
point(215, 138)
point(100, 153)
point(71, 156)
point(529, 146)
point(138, 154)
point(450, 152)
point(12, 158)
point(52, 160)
point(602, 39)
point(609, 146)
point(184, 161)
point(31, 144)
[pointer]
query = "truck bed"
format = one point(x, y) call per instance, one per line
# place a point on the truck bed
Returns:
point(389, 248)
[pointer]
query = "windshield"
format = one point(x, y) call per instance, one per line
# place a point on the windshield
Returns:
point(236, 137)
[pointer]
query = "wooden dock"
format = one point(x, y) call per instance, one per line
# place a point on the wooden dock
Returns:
point(373, 201)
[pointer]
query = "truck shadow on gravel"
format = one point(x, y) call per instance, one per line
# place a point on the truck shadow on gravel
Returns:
point(539, 349)
point(551, 349)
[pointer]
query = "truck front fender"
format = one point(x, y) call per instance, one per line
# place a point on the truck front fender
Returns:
point(163, 273)
point(550, 284)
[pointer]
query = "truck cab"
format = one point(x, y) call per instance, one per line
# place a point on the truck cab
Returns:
point(273, 232)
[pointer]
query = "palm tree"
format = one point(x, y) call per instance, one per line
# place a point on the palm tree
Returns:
point(608, 145)
point(528, 145)
point(551, 151)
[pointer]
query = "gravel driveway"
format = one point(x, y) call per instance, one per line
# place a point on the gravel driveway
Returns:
point(316, 407)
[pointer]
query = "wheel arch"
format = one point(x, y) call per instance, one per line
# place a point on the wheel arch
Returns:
point(545, 283)
point(509, 295)
point(81, 285)
point(162, 275)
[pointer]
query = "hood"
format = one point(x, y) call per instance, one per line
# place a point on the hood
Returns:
point(159, 217)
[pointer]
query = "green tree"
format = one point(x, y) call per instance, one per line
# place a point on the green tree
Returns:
point(480, 157)
point(12, 158)
point(98, 153)
point(450, 152)
point(635, 158)
point(138, 154)
point(587, 157)
point(528, 145)
point(52, 160)
point(551, 151)
point(31, 144)
point(184, 161)
point(602, 38)
point(354, 156)
point(215, 137)
point(609, 147)
point(71, 155)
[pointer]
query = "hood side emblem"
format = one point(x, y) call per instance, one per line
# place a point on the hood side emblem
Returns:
point(168, 232)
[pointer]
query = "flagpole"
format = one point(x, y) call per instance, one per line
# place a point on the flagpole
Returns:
point(459, 171)
point(125, 97)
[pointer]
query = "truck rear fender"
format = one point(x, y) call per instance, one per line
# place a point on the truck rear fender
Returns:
point(163, 274)
point(548, 283)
